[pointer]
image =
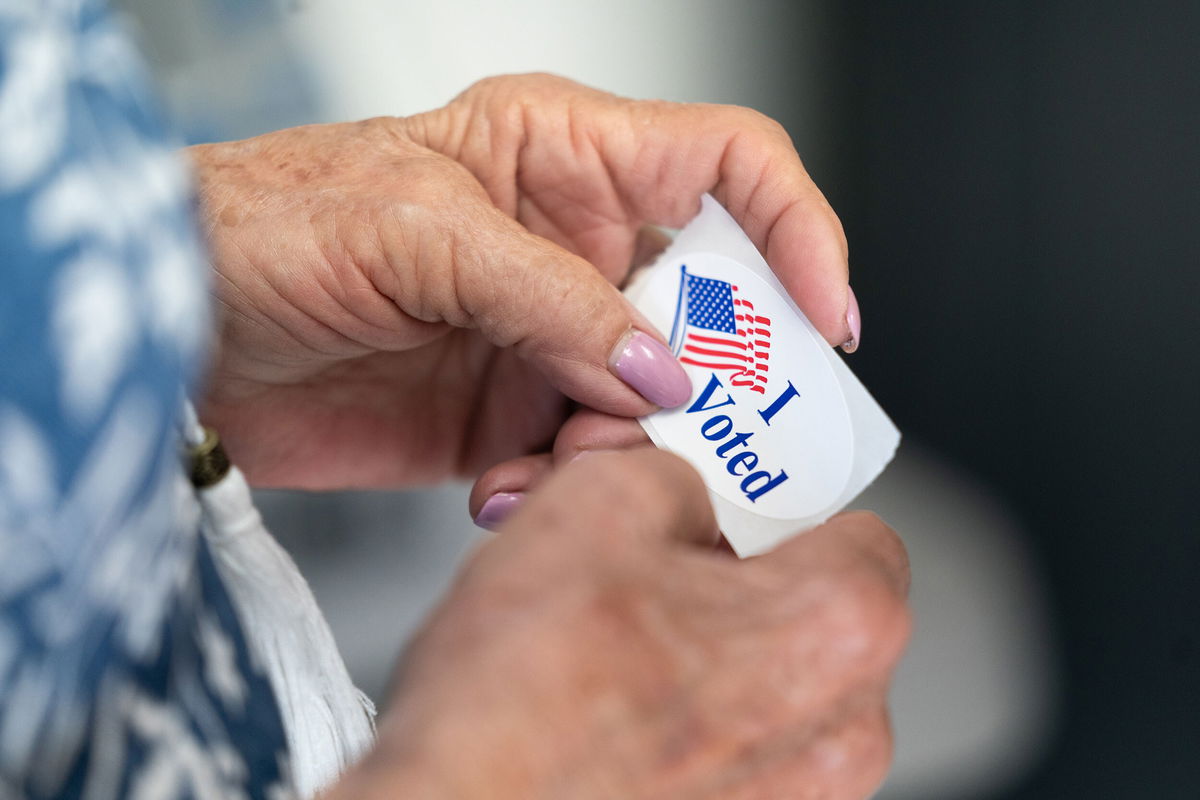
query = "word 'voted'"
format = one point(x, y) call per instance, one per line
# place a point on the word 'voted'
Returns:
point(778, 427)
point(718, 428)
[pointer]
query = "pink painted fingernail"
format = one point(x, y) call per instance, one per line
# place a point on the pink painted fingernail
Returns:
point(648, 366)
point(854, 323)
point(498, 508)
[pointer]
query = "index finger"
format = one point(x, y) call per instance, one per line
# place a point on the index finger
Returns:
point(668, 155)
point(856, 541)
point(605, 163)
point(847, 579)
point(620, 501)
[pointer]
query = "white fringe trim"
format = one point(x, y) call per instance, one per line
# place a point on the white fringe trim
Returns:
point(329, 724)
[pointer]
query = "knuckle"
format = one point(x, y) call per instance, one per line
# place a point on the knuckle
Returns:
point(749, 119)
point(672, 472)
point(647, 476)
point(871, 526)
point(616, 606)
point(876, 749)
point(883, 545)
point(866, 519)
point(492, 84)
point(862, 621)
point(447, 183)
point(642, 491)
point(772, 127)
point(846, 761)
point(854, 759)
point(662, 476)
point(546, 81)
point(521, 87)
point(434, 189)
point(422, 228)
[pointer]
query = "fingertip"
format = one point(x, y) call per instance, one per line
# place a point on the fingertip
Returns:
point(497, 508)
point(591, 431)
point(811, 263)
point(803, 241)
point(853, 322)
point(516, 476)
point(648, 367)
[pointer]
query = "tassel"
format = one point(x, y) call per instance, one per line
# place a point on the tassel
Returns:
point(328, 722)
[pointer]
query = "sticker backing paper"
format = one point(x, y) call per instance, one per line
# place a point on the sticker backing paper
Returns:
point(781, 431)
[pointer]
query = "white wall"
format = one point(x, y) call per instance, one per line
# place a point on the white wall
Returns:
point(378, 57)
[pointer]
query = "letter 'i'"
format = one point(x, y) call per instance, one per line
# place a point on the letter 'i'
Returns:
point(779, 403)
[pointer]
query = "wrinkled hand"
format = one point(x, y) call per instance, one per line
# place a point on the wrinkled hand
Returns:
point(600, 647)
point(410, 299)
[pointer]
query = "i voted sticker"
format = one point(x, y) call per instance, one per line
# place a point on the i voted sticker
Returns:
point(781, 431)
point(766, 426)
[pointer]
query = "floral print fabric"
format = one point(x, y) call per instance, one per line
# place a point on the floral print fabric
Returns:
point(123, 671)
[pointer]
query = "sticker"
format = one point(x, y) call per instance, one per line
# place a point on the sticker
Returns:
point(767, 425)
point(781, 431)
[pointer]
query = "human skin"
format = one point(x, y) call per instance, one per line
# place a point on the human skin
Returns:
point(601, 647)
point(409, 299)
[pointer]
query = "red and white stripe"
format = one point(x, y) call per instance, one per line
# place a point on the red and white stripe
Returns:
point(746, 354)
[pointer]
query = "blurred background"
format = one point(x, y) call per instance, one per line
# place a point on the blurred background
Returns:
point(1020, 185)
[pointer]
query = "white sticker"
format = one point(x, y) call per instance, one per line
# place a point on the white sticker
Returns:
point(781, 431)
point(764, 402)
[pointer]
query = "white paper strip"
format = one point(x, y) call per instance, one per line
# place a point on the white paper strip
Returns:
point(782, 432)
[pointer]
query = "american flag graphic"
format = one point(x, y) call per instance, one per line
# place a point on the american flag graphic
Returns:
point(717, 329)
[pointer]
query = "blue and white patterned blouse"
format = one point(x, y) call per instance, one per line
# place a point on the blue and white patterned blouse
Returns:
point(123, 671)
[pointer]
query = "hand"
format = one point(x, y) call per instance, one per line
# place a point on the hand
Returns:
point(410, 299)
point(600, 647)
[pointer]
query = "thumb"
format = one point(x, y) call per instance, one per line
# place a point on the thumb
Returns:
point(563, 316)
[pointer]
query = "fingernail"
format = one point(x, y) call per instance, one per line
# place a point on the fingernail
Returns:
point(648, 366)
point(498, 508)
point(854, 323)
